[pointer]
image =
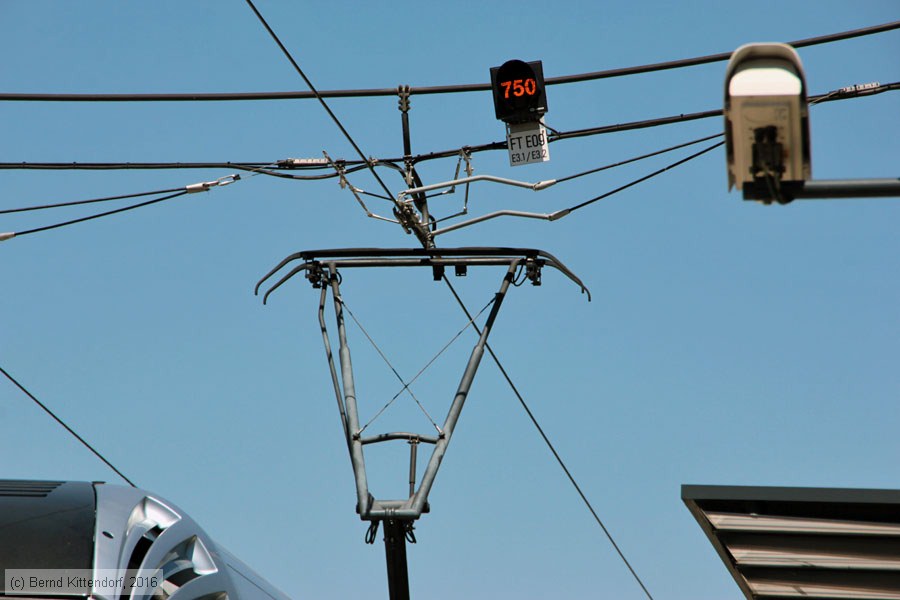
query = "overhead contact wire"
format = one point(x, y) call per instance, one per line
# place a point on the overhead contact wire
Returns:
point(442, 89)
point(720, 57)
point(111, 166)
point(549, 444)
point(99, 215)
point(319, 97)
point(67, 428)
point(832, 96)
point(816, 100)
point(638, 158)
point(91, 201)
point(642, 179)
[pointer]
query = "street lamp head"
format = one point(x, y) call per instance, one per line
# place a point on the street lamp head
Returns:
point(766, 122)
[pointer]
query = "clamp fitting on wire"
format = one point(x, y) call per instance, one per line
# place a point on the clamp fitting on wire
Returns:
point(302, 162)
point(465, 154)
point(403, 101)
point(316, 276)
point(372, 532)
point(533, 271)
point(204, 186)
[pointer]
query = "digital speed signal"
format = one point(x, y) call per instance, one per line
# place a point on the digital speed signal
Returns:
point(519, 95)
point(519, 87)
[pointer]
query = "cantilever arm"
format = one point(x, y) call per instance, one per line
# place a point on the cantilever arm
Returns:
point(540, 185)
point(504, 213)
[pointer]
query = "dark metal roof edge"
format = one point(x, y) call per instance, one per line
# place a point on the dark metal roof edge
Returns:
point(723, 552)
point(789, 494)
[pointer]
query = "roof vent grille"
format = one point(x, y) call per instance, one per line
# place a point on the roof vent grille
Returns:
point(27, 489)
point(166, 550)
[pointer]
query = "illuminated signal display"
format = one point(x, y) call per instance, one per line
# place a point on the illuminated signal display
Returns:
point(519, 95)
point(520, 87)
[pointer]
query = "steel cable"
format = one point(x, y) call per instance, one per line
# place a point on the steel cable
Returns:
point(67, 428)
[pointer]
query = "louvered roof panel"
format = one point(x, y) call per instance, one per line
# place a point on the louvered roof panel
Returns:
point(812, 543)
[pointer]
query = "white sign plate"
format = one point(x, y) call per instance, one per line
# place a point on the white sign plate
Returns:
point(527, 143)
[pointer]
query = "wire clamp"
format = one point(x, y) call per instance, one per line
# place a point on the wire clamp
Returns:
point(403, 102)
point(340, 167)
point(465, 154)
point(204, 186)
point(372, 532)
point(408, 528)
point(408, 171)
point(302, 162)
point(859, 88)
point(316, 276)
point(533, 271)
point(409, 221)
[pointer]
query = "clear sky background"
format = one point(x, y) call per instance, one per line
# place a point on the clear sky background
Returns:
point(727, 342)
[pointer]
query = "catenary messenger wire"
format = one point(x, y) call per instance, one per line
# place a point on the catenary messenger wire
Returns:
point(204, 186)
point(357, 165)
point(442, 89)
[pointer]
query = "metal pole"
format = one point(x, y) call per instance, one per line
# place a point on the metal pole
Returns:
point(850, 188)
point(403, 92)
point(827, 189)
point(395, 553)
point(413, 447)
point(334, 377)
point(462, 393)
point(356, 452)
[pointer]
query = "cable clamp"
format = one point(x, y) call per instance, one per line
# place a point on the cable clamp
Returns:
point(316, 276)
point(533, 271)
point(227, 179)
point(465, 153)
point(860, 87)
point(408, 529)
point(303, 162)
point(408, 219)
point(204, 186)
point(339, 167)
point(372, 532)
point(403, 102)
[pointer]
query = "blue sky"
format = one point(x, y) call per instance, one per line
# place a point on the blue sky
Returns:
point(727, 342)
